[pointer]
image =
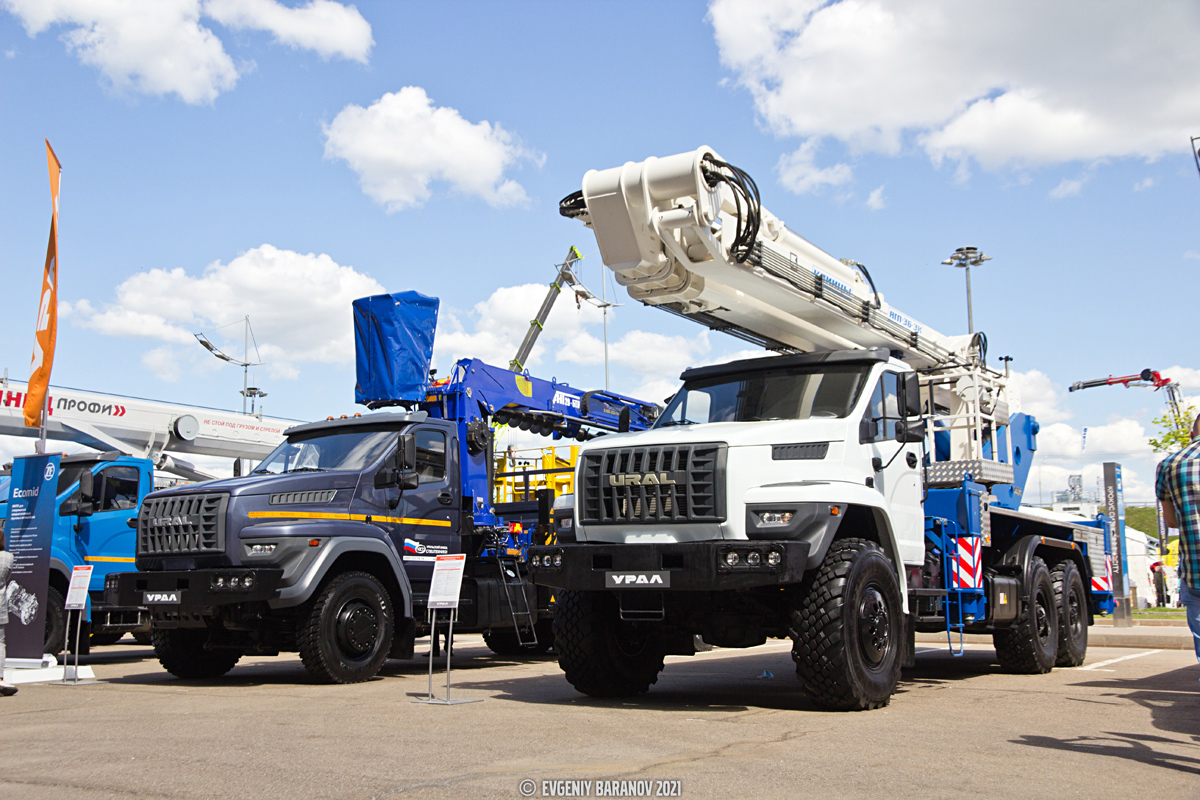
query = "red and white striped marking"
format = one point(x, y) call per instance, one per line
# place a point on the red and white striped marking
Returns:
point(1103, 583)
point(968, 563)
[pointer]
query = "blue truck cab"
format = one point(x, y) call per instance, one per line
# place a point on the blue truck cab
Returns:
point(92, 526)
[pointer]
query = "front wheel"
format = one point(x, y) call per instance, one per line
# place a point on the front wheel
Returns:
point(846, 629)
point(602, 655)
point(56, 622)
point(349, 630)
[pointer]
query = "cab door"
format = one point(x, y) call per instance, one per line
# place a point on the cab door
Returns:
point(898, 473)
point(424, 523)
point(106, 541)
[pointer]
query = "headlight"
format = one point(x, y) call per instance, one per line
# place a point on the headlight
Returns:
point(775, 517)
point(261, 549)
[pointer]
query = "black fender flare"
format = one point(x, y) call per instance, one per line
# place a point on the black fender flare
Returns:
point(345, 537)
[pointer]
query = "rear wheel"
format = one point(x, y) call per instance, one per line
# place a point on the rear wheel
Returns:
point(56, 622)
point(143, 636)
point(1072, 614)
point(504, 642)
point(602, 655)
point(349, 630)
point(846, 629)
point(181, 652)
point(1030, 644)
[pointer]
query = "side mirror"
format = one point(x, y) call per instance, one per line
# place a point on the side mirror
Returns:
point(87, 486)
point(406, 452)
point(912, 395)
point(910, 432)
point(409, 480)
point(868, 430)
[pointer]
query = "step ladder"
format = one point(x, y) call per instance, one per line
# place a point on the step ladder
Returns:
point(522, 614)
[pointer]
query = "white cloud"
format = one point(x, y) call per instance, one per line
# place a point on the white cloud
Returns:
point(160, 47)
point(402, 143)
point(327, 28)
point(1144, 184)
point(1066, 188)
point(1187, 377)
point(970, 81)
point(876, 201)
point(299, 308)
point(1034, 393)
point(799, 172)
point(1192, 255)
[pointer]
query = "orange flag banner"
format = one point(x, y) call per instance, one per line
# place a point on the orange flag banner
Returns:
point(47, 320)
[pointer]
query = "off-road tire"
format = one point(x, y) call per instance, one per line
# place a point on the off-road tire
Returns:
point(143, 636)
point(601, 655)
point(847, 629)
point(349, 630)
point(56, 622)
point(503, 641)
point(1072, 614)
point(104, 639)
point(1030, 645)
point(181, 652)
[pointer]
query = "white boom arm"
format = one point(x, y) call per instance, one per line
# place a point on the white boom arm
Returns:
point(144, 428)
point(668, 227)
point(686, 233)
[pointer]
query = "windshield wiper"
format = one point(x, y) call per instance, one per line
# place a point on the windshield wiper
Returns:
point(259, 471)
point(305, 469)
point(671, 422)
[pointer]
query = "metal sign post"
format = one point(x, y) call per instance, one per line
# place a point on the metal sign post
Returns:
point(444, 590)
point(1114, 503)
point(77, 598)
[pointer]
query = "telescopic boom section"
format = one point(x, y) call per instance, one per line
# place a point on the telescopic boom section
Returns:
point(565, 277)
point(687, 234)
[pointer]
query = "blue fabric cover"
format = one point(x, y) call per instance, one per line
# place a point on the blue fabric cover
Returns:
point(393, 346)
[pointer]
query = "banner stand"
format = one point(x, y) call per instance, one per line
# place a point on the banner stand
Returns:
point(443, 593)
point(81, 578)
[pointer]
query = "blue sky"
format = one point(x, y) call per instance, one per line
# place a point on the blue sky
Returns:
point(236, 157)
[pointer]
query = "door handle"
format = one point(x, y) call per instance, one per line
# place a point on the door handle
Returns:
point(911, 460)
point(445, 498)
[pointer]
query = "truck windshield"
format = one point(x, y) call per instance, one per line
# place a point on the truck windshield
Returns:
point(815, 391)
point(335, 451)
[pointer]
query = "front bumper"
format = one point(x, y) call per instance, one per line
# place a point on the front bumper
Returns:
point(679, 566)
point(191, 590)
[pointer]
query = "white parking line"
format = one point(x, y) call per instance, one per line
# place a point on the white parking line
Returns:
point(1100, 664)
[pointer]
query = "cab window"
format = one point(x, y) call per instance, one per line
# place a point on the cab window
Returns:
point(431, 456)
point(884, 409)
point(117, 489)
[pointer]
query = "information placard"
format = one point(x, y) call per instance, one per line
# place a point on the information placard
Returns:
point(447, 581)
point(28, 537)
point(77, 592)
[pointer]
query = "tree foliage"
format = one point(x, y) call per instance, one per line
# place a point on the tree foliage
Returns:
point(1174, 432)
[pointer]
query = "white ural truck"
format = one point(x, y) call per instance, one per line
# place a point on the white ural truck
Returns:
point(860, 486)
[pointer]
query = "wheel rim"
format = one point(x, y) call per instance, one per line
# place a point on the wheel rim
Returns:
point(1042, 619)
point(874, 627)
point(357, 628)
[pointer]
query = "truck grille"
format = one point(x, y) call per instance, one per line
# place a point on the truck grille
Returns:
point(663, 483)
point(189, 523)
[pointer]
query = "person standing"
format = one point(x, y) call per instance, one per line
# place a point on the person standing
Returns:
point(1177, 485)
point(6, 564)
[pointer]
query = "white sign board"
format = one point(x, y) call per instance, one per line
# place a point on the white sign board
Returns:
point(81, 578)
point(447, 581)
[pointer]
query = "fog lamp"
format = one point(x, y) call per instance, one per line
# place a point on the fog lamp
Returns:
point(558, 559)
point(233, 582)
point(247, 581)
point(732, 559)
point(773, 558)
point(754, 559)
point(219, 582)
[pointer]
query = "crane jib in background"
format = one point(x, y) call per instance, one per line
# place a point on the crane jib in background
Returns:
point(47, 321)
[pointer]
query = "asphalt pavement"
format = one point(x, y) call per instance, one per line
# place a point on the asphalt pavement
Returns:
point(721, 724)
